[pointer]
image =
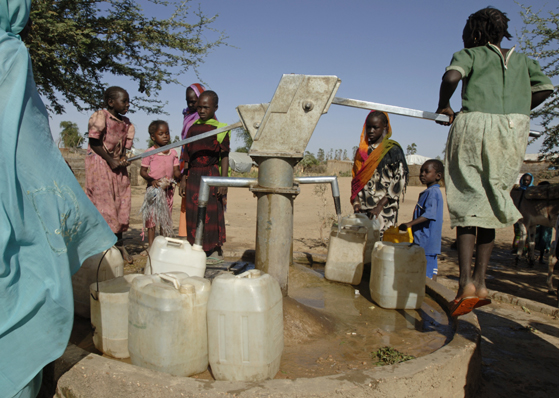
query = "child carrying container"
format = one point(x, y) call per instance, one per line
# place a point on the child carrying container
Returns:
point(427, 221)
point(486, 143)
point(107, 183)
point(160, 171)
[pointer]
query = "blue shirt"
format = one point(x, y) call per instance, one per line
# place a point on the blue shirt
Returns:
point(428, 234)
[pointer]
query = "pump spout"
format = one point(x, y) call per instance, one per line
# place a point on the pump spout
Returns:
point(332, 180)
point(204, 196)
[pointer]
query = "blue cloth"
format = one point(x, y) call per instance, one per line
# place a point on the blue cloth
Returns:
point(48, 227)
point(521, 183)
point(432, 265)
point(428, 234)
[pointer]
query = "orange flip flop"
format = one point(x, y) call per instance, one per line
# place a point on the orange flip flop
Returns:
point(463, 306)
point(482, 302)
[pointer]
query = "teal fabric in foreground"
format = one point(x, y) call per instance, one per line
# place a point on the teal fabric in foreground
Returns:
point(48, 227)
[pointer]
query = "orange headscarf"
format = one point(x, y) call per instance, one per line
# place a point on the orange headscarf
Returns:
point(364, 165)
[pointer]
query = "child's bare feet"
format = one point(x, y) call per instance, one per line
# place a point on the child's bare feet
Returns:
point(126, 257)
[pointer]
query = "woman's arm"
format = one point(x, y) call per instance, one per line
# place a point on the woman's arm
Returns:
point(450, 81)
point(539, 96)
point(97, 147)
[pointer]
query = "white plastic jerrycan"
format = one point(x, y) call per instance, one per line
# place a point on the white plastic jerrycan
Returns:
point(398, 275)
point(175, 255)
point(109, 315)
point(373, 231)
point(245, 327)
point(346, 247)
point(112, 267)
point(167, 328)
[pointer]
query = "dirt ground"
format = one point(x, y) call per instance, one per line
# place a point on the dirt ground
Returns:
point(520, 349)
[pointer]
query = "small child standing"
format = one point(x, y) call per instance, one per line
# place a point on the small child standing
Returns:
point(160, 171)
point(486, 143)
point(427, 221)
point(107, 183)
point(206, 157)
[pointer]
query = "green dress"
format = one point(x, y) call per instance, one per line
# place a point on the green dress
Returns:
point(487, 141)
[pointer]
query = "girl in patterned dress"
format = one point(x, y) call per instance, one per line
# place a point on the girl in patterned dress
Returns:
point(107, 183)
point(487, 142)
point(380, 172)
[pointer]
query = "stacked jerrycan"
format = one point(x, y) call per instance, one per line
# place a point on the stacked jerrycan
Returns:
point(245, 327)
point(167, 323)
point(112, 267)
point(109, 315)
point(175, 255)
point(398, 275)
point(350, 247)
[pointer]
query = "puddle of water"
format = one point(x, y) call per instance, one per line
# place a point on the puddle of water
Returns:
point(330, 327)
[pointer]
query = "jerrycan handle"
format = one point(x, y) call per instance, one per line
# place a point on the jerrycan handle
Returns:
point(174, 241)
point(172, 279)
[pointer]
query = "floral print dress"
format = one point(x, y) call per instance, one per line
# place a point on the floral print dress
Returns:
point(389, 179)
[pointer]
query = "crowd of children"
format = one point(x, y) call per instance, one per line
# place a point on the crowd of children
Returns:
point(108, 182)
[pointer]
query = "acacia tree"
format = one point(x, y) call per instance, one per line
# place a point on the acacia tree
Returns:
point(75, 44)
point(411, 149)
point(540, 39)
point(70, 135)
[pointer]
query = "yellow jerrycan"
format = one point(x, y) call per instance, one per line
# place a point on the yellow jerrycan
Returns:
point(394, 235)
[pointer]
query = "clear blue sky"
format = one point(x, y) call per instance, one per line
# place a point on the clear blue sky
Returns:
point(392, 52)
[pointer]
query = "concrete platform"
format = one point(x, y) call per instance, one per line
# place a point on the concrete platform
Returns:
point(451, 371)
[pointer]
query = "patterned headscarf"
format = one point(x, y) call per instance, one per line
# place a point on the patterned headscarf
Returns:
point(364, 164)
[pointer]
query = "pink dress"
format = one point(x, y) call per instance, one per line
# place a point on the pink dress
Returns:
point(162, 165)
point(109, 190)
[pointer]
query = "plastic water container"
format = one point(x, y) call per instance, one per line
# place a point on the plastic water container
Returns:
point(175, 255)
point(346, 248)
point(394, 235)
point(398, 275)
point(245, 327)
point(109, 315)
point(111, 267)
point(373, 234)
point(167, 328)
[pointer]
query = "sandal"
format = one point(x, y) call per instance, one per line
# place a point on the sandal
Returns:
point(463, 306)
point(482, 302)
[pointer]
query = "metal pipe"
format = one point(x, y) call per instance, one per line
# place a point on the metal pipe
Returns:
point(332, 180)
point(204, 195)
point(274, 222)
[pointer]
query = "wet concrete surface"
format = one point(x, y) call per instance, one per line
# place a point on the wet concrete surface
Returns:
point(330, 328)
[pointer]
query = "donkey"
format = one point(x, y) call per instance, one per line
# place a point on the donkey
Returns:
point(539, 206)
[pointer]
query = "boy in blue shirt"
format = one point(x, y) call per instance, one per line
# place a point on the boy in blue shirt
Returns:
point(427, 221)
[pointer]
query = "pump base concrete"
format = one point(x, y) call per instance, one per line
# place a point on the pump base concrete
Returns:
point(452, 371)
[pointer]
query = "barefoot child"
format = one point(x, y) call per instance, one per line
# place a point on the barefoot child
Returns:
point(159, 170)
point(204, 158)
point(106, 178)
point(486, 143)
point(427, 221)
